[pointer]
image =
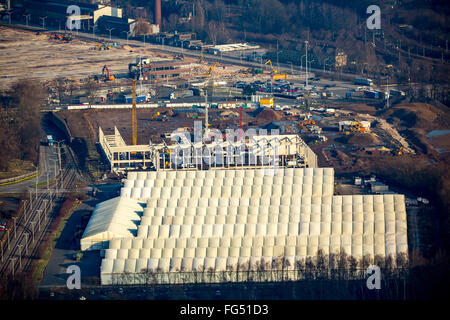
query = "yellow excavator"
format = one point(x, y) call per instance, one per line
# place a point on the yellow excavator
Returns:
point(210, 70)
point(275, 74)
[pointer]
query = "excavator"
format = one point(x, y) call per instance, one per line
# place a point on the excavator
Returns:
point(210, 70)
point(357, 126)
point(275, 74)
point(109, 77)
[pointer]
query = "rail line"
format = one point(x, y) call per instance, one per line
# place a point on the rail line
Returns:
point(22, 248)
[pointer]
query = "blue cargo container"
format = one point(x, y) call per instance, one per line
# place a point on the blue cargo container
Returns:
point(129, 99)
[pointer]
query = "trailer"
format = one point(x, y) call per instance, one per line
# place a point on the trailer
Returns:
point(364, 81)
point(181, 94)
point(371, 94)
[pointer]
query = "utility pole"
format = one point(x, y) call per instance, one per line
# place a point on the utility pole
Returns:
point(324, 64)
point(1, 249)
point(39, 219)
point(7, 235)
point(20, 255)
point(12, 265)
point(306, 62)
point(206, 112)
point(15, 233)
point(278, 65)
point(25, 209)
point(26, 234)
point(387, 91)
point(33, 223)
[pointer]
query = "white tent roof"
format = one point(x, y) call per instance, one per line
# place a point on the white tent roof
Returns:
point(114, 218)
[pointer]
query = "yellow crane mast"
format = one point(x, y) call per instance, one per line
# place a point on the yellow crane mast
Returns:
point(134, 115)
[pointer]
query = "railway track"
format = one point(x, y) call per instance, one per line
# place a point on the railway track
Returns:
point(30, 229)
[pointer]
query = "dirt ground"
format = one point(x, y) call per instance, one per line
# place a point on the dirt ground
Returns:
point(85, 124)
point(27, 55)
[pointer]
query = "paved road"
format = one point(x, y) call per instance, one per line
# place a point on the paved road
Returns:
point(48, 169)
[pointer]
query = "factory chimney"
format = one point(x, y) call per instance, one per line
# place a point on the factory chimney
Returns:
point(158, 13)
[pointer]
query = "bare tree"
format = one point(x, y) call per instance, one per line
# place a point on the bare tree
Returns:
point(91, 91)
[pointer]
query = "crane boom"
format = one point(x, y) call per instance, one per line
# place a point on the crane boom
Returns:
point(273, 70)
point(134, 115)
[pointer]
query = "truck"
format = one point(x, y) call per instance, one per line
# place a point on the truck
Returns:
point(50, 140)
point(371, 94)
point(397, 93)
point(364, 81)
point(181, 94)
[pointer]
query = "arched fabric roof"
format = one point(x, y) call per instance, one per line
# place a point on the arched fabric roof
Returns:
point(115, 218)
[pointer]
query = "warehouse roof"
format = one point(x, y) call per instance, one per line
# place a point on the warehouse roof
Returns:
point(117, 217)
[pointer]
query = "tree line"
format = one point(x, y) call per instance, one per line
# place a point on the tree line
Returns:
point(20, 122)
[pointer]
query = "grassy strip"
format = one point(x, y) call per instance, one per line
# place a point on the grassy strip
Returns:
point(17, 181)
point(46, 249)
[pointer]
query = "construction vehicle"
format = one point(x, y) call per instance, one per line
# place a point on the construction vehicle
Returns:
point(357, 127)
point(66, 37)
point(210, 70)
point(155, 115)
point(275, 74)
point(108, 77)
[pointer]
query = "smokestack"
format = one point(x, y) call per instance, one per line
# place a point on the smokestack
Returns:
point(158, 13)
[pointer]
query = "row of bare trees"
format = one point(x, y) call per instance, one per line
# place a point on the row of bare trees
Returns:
point(279, 269)
point(20, 122)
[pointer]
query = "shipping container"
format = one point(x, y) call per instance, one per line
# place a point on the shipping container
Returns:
point(181, 94)
point(139, 99)
point(364, 81)
point(371, 94)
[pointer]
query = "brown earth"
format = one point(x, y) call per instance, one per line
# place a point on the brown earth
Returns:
point(269, 114)
point(360, 139)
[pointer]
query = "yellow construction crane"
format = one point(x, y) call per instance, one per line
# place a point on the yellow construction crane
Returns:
point(275, 74)
point(210, 70)
point(134, 114)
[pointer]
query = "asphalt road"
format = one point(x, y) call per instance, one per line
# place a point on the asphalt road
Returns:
point(48, 169)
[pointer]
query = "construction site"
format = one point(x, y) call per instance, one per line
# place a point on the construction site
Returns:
point(227, 172)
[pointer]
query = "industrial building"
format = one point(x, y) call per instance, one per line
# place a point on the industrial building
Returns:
point(251, 152)
point(55, 12)
point(237, 225)
point(159, 70)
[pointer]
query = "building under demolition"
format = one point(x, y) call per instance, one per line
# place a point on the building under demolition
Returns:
point(250, 151)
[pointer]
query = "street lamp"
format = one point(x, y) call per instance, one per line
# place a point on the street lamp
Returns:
point(43, 21)
point(110, 33)
point(27, 16)
point(128, 33)
point(301, 62)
